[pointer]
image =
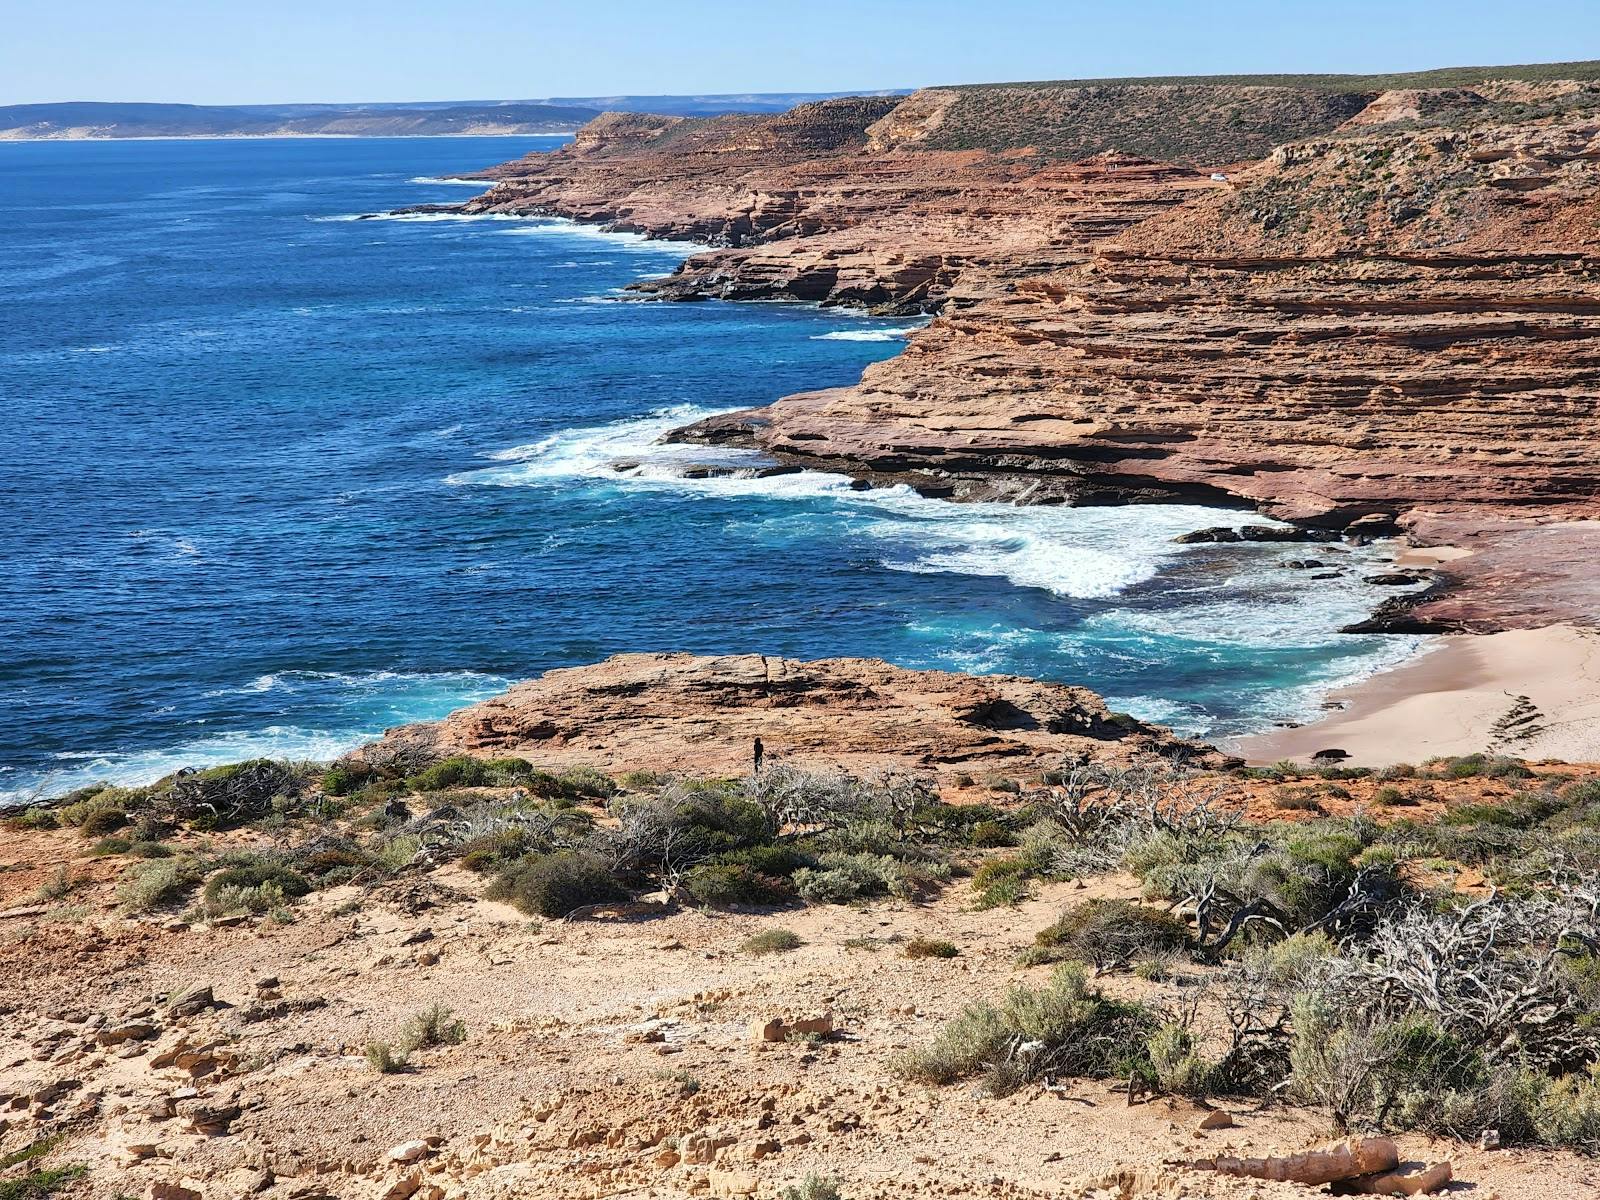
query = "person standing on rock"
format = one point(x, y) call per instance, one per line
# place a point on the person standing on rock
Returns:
point(756, 753)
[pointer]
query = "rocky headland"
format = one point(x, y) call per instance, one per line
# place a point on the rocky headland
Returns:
point(1337, 306)
point(681, 713)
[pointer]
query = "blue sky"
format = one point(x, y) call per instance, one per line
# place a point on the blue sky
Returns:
point(241, 51)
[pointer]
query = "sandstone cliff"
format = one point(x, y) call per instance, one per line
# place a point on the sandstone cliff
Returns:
point(1393, 316)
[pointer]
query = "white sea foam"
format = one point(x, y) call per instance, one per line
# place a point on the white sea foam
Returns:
point(423, 218)
point(451, 179)
point(1081, 552)
point(565, 228)
point(866, 335)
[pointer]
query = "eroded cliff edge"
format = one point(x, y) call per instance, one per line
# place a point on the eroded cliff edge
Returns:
point(1391, 316)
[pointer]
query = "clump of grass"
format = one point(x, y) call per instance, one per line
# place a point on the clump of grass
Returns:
point(772, 941)
point(31, 1152)
point(384, 1058)
point(156, 884)
point(1298, 802)
point(435, 1025)
point(37, 1185)
point(688, 1085)
point(999, 883)
point(59, 886)
point(921, 947)
point(1065, 1027)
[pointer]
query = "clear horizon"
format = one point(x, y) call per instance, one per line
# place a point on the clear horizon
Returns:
point(363, 51)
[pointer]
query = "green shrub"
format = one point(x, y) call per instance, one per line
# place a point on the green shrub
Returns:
point(1523, 811)
point(1582, 793)
point(769, 859)
point(102, 822)
point(1473, 766)
point(1398, 1073)
point(813, 1187)
point(106, 847)
point(151, 885)
point(1109, 933)
point(464, 771)
point(1567, 1113)
point(588, 782)
point(35, 820)
point(345, 778)
point(256, 887)
point(1291, 963)
point(988, 835)
point(921, 947)
point(1176, 1068)
point(840, 878)
point(716, 884)
point(553, 885)
point(772, 941)
point(1063, 1028)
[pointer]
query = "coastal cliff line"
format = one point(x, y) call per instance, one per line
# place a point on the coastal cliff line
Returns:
point(1376, 309)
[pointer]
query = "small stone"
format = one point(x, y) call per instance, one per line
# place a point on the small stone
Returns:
point(194, 1000)
point(412, 1151)
point(1217, 1118)
point(1489, 1139)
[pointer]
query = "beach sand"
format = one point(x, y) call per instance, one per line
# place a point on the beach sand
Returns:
point(1529, 693)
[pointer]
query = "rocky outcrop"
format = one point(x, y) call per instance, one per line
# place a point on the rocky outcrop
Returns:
point(701, 716)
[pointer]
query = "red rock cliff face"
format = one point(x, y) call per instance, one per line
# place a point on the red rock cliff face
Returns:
point(845, 201)
point(1398, 313)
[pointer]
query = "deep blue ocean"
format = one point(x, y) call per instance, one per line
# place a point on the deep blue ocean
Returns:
point(276, 478)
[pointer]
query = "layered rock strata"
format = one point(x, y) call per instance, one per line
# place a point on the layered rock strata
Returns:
point(1396, 318)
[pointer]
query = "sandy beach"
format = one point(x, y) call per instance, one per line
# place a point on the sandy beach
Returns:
point(1531, 693)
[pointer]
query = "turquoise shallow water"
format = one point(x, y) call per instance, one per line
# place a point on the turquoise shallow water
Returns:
point(278, 478)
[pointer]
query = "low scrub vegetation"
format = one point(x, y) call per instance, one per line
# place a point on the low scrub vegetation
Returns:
point(1330, 961)
point(772, 941)
point(1064, 1028)
point(921, 947)
point(1439, 975)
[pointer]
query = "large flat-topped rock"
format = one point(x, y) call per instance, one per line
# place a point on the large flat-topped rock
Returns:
point(701, 716)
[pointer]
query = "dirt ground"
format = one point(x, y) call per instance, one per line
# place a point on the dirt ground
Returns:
point(602, 1058)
